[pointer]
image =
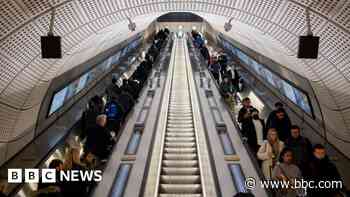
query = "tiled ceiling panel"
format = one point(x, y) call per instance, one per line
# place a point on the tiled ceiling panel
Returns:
point(297, 24)
point(8, 71)
point(11, 16)
point(324, 6)
point(36, 7)
point(23, 46)
point(262, 8)
point(8, 117)
point(335, 44)
point(93, 8)
point(67, 19)
point(343, 16)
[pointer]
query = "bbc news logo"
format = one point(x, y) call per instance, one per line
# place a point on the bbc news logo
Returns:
point(52, 176)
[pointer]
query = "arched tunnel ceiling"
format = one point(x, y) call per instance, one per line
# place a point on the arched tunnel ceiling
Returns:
point(270, 27)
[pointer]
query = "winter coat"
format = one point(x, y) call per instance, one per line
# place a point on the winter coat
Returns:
point(302, 150)
point(322, 170)
point(98, 141)
point(264, 153)
point(282, 126)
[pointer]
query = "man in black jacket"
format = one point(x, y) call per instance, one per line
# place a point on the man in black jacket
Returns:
point(141, 72)
point(128, 88)
point(126, 101)
point(255, 131)
point(278, 105)
point(113, 90)
point(301, 147)
point(134, 88)
point(95, 108)
point(272, 115)
point(222, 59)
point(322, 169)
point(244, 114)
point(281, 122)
point(99, 139)
point(245, 117)
point(205, 53)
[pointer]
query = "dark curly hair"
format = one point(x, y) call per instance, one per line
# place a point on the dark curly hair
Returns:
point(283, 152)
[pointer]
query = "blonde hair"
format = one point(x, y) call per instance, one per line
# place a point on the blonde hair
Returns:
point(269, 132)
point(276, 145)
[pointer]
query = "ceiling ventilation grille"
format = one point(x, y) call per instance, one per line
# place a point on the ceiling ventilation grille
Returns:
point(343, 17)
point(11, 17)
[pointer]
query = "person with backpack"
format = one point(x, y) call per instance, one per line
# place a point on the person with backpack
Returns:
point(114, 115)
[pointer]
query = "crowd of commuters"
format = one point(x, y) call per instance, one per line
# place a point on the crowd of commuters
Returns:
point(226, 76)
point(101, 123)
point(283, 153)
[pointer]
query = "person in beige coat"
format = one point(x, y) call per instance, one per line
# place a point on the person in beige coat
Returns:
point(269, 152)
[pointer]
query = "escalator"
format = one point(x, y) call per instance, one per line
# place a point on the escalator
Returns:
point(181, 170)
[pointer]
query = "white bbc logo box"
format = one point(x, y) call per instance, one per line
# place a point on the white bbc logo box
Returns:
point(31, 175)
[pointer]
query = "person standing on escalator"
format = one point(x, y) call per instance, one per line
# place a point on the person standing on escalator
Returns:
point(236, 79)
point(285, 170)
point(228, 92)
point(246, 120)
point(281, 123)
point(215, 70)
point(99, 139)
point(205, 53)
point(94, 108)
point(222, 60)
point(231, 75)
point(258, 131)
point(56, 189)
point(301, 147)
point(280, 120)
point(245, 113)
point(269, 152)
point(253, 128)
point(321, 169)
point(113, 90)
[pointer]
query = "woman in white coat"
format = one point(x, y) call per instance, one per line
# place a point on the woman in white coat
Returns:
point(269, 152)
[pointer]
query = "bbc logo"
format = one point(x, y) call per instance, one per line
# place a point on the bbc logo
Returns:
point(50, 175)
point(31, 175)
